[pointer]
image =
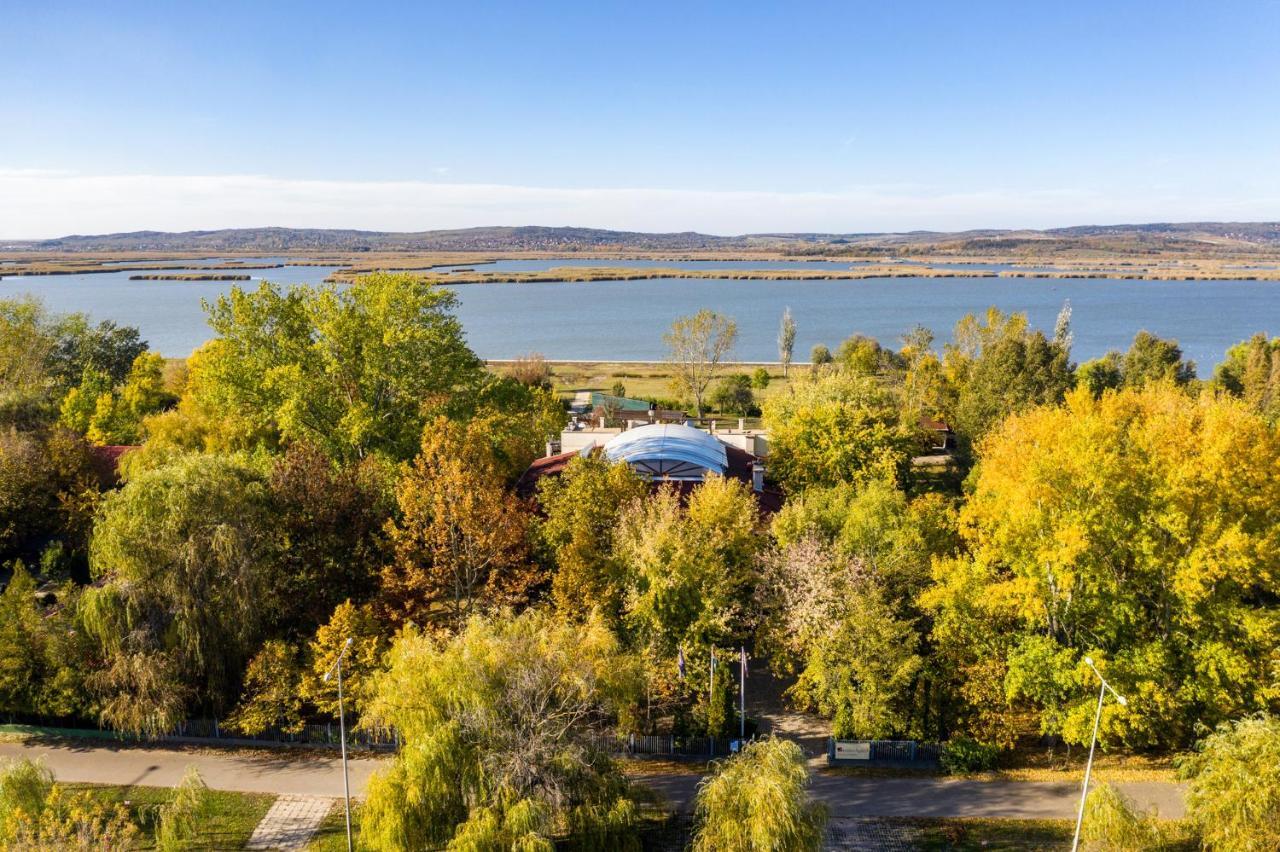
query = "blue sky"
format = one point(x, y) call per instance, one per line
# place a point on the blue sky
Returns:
point(722, 117)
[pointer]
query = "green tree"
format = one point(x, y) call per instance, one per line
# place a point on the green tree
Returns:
point(758, 800)
point(349, 369)
point(1101, 374)
point(691, 569)
point(1234, 795)
point(820, 355)
point(498, 729)
point(835, 427)
point(698, 345)
point(760, 378)
point(998, 366)
point(184, 559)
point(1153, 359)
point(1252, 372)
point(733, 395)
point(582, 508)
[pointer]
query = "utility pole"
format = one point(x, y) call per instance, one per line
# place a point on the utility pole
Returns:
point(1088, 768)
point(742, 693)
point(342, 736)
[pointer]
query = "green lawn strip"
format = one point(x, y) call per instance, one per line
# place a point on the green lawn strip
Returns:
point(1009, 834)
point(229, 825)
point(331, 836)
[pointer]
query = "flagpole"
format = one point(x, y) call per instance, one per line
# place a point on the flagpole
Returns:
point(711, 700)
point(742, 689)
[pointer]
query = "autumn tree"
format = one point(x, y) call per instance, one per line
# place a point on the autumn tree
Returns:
point(698, 346)
point(1234, 795)
point(332, 518)
point(835, 427)
point(1252, 371)
point(582, 509)
point(1090, 534)
point(459, 541)
point(498, 738)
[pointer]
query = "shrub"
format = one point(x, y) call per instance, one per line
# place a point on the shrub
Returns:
point(968, 755)
point(1235, 786)
point(760, 378)
point(532, 370)
point(1111, 823)
point(618, 389)
point(820, 355)
point(180, 817)
point(24, 787)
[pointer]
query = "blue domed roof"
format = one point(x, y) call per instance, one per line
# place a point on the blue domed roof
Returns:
point(669, 451)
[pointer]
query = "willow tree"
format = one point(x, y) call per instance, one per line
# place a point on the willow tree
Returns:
point(698, 345)
point(499, 739)
point(758, 800)
point(183, 561)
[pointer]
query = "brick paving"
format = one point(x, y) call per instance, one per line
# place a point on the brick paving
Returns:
point(290, 823)
point(859, 834)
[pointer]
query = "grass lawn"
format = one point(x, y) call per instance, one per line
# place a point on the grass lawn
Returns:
point(1010, 834)
point(332, 834)
point(231, 822)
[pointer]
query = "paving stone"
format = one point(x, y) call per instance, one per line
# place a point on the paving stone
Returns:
point(290, 823)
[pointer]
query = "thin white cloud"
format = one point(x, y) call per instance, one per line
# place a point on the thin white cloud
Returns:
point(41, 204)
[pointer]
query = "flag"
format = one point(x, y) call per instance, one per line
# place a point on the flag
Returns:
point(680, 663)
point(743, 658)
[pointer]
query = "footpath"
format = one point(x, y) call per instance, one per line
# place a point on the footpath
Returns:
point(309, 773)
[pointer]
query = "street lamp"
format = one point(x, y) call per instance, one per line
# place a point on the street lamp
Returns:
point(342, 735)
point(1088, 768)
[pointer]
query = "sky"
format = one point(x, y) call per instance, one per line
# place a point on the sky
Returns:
point(735, 117)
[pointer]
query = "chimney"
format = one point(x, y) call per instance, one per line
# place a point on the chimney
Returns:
point(551, 448)
point(757, 477)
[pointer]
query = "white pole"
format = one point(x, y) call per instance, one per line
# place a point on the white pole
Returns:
point(1088, 767)
point(342, 737)
point(742, 694)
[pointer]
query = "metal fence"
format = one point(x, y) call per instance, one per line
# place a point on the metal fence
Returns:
point(322, 734)
point(883, 752)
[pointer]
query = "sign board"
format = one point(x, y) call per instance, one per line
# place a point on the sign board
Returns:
point(853, 750)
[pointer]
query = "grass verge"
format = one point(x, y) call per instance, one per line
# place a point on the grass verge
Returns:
point(229, 825)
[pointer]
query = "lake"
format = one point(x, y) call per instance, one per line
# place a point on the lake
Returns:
point(624, 320)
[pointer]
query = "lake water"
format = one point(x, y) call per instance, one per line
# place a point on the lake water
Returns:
point(624, 320)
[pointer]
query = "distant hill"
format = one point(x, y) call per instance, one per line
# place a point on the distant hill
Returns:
point(1188, 236)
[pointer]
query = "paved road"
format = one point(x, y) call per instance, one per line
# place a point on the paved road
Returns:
point(300, 772)
point(942, 797)
point(307, 773)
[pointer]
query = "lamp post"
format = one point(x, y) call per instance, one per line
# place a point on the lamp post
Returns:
point(1088, 768)
point(342, 736)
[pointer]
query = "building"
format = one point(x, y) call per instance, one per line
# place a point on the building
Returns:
point(667, 454)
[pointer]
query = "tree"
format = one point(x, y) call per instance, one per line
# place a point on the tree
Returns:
point(348, 369)
point(786, 340)
point(332, 517)
point(999, 366)
point(582, 509)
point(1112, 824)
point(691, 569)
point(863, 355)
point(759, 378)
point(1234, 795)
point(1153, 359)
point(820, 355)
point(499, 745)
point(271, 698)
point(758, 800)
point(835, 427)
point(1252, 372)
point(107, 415)
point(698, 345)
point(733, 395)
point(1090, 534)
point(184, 558)
point(1100, 374)
point(460, 539)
